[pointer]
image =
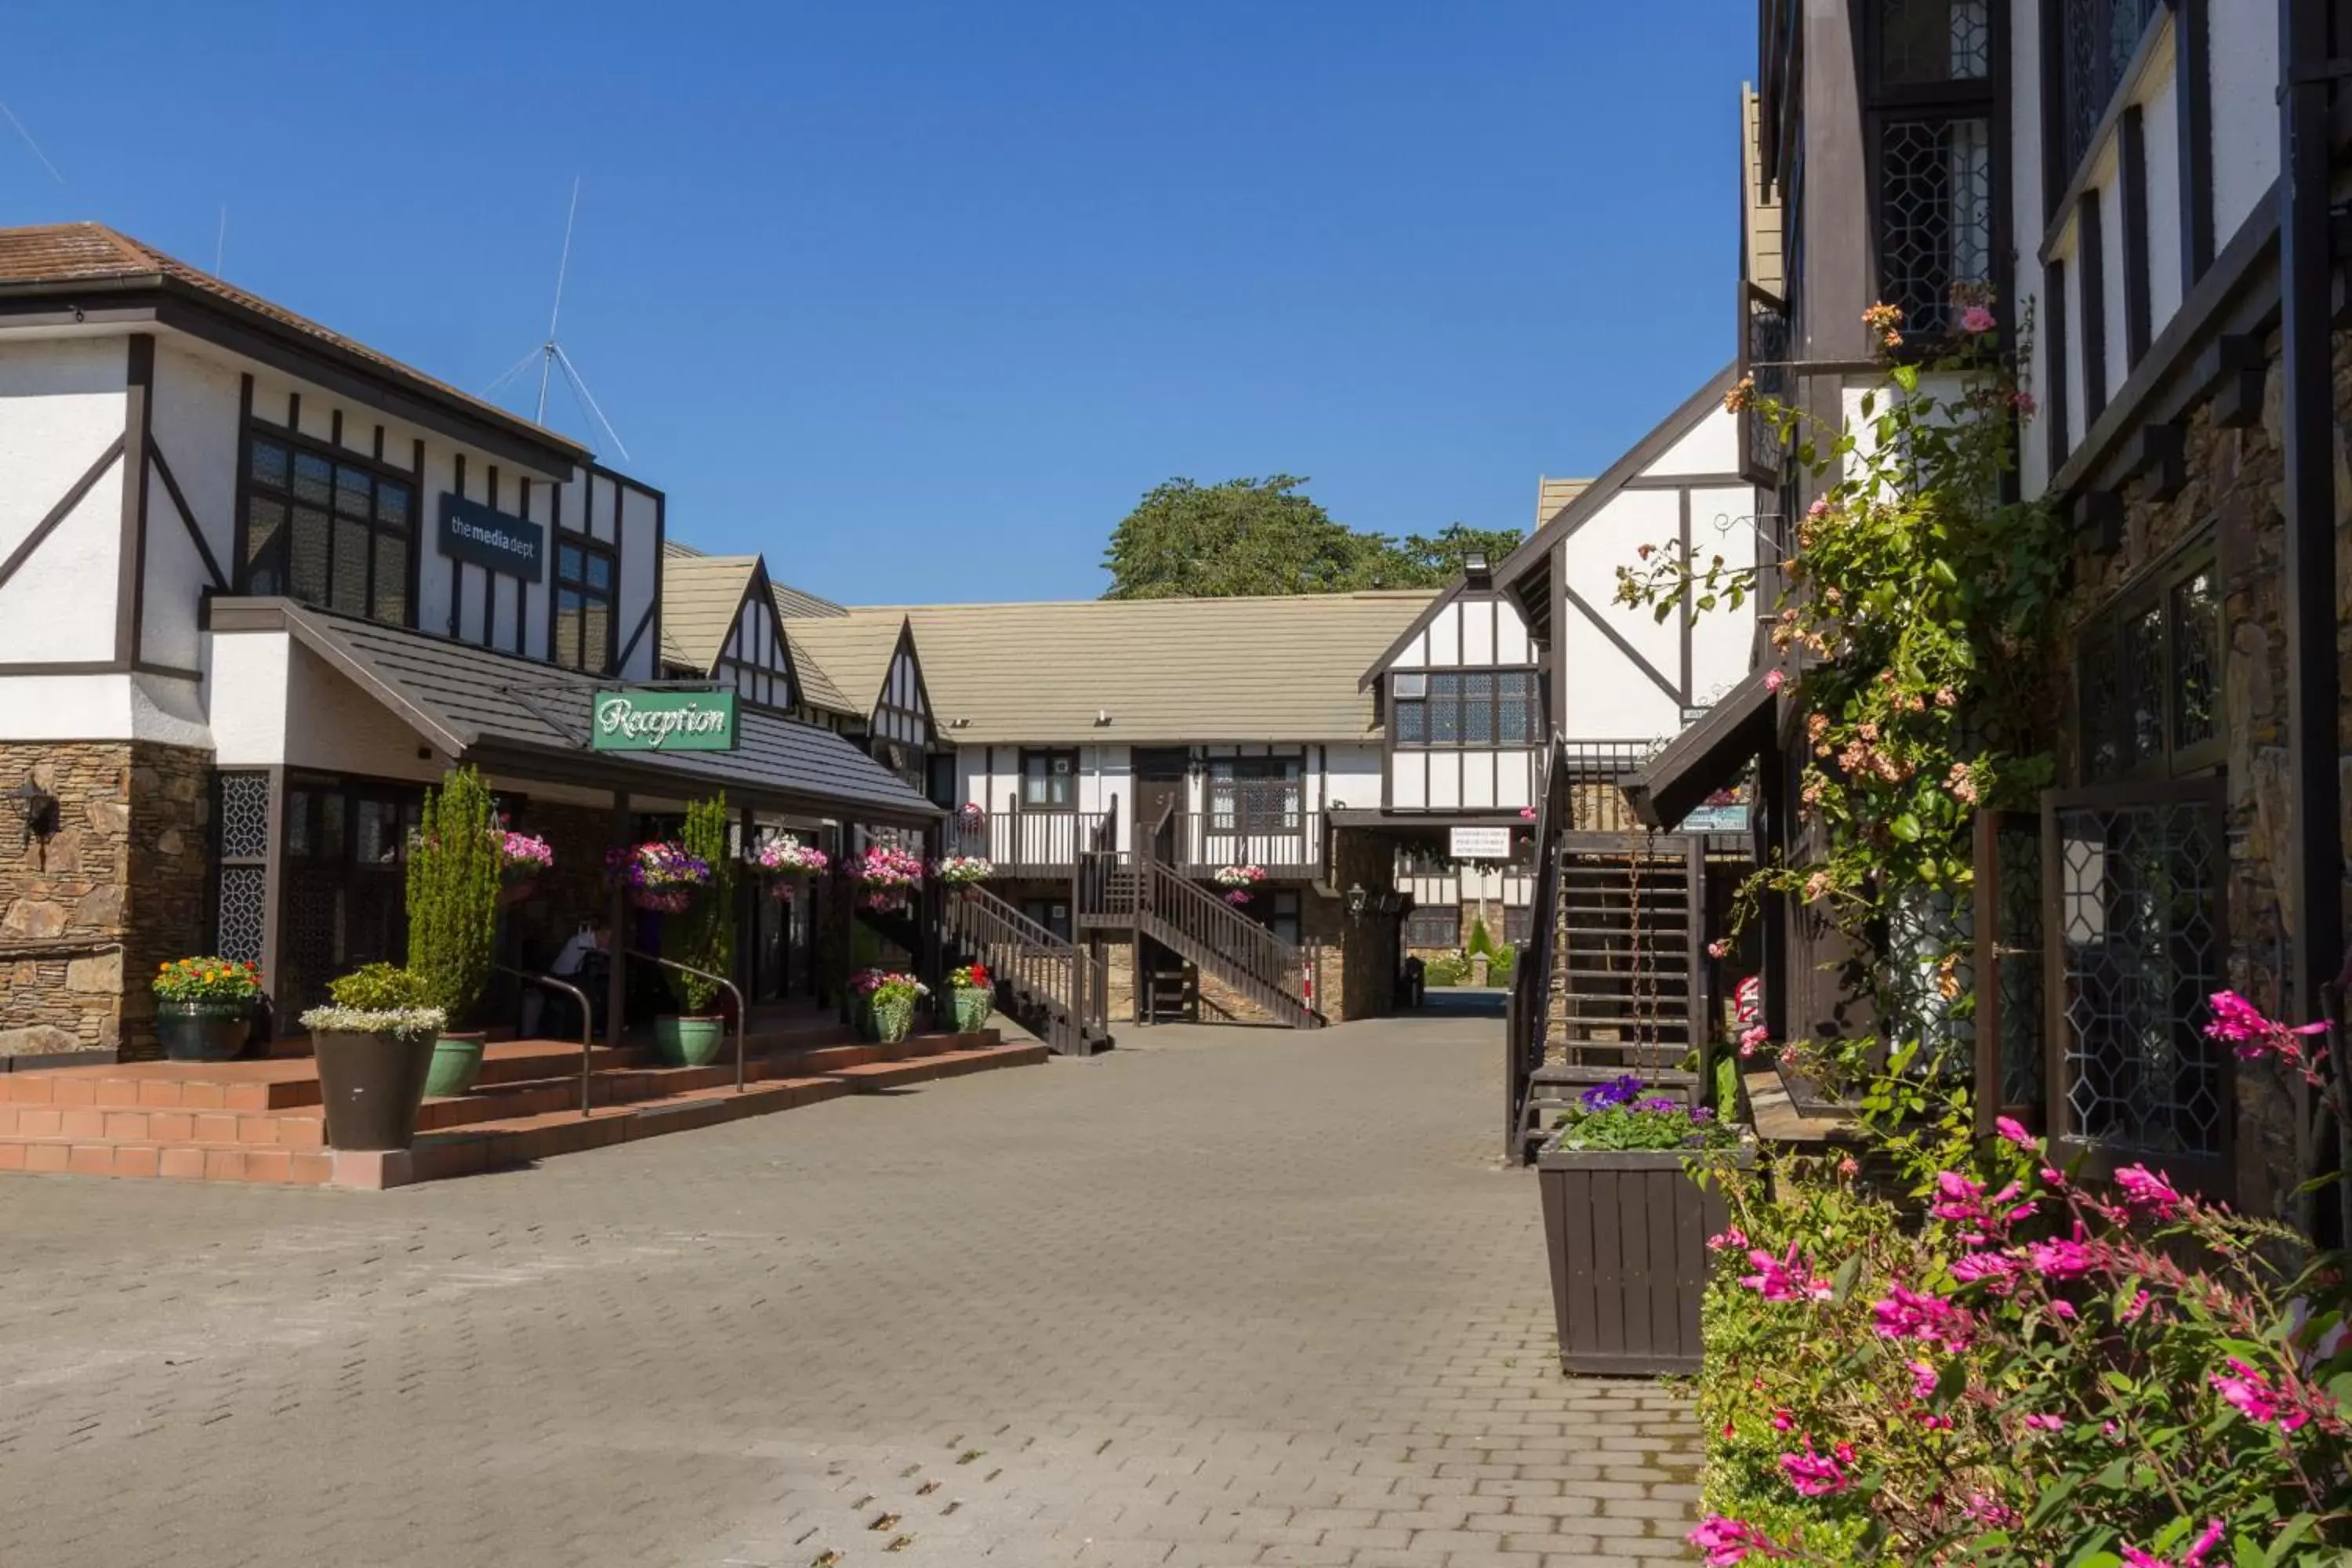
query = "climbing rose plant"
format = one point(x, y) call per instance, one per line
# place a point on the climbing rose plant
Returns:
point(2042, 1371)
point(1908, 629)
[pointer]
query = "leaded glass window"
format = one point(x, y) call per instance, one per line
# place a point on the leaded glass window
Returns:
point(2149, 677)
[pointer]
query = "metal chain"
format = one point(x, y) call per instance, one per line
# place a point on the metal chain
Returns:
point(1645, 975)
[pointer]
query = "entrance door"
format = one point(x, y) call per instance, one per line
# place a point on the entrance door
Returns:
point(1159, 773)
point(1054, 914)
point(345, 884)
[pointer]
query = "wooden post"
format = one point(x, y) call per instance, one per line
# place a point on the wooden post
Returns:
point(616, 978)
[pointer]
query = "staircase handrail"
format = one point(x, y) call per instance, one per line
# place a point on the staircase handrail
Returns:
point(587, 1018)
point(742, 1013)
point(1206, 918)
point(1528, 1015)
point(1028, 954)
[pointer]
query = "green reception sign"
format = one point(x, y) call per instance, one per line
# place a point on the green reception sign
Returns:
point(664, 722)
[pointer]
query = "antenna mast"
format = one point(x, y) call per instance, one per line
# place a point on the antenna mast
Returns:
point(550, 353)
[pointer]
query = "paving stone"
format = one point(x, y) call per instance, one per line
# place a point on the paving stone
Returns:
point(1224, 1297)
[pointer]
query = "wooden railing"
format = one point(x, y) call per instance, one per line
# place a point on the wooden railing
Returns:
point(1026, 842)
point(1161, 902)
point(1286, 847)
point(1057, 982)
point(1526, 1016)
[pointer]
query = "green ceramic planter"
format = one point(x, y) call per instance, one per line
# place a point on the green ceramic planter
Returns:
point(689, 1042)
point(203, 1031)
point(894, 1020)
point(456, 1063)
point(973, 1006)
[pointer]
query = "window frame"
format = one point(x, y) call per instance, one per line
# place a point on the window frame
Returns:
point(558, 585)
point(1938, 105)
point(1048, 756)
point(1433, 912)
point(250, 488)
point(2061, 173)
point(2101, 644)
point(1423, 708)
point(1236, 805)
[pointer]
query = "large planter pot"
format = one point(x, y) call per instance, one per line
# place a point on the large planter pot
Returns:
point(689, 1042)
point(371, 1084)
point(861, 1018)
point(203, 1031)
point(973, 1006)
point(456, 1063)
point(1626, 1231)
point(893, 1020)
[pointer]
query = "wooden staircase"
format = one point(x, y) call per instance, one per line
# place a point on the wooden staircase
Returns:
point(1152, 899)
point(1055, 988)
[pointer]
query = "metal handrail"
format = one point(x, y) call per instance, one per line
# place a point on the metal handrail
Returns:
point(587, 1020)
point(742, 1009)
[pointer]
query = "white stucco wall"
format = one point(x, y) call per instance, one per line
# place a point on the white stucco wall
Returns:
point(274, 701)
point(61, 405)
point(2245, 112)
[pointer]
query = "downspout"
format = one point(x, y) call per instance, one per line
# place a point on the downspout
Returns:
point(2316, 901)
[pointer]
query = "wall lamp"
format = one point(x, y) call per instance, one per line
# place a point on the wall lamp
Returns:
point(40, 809)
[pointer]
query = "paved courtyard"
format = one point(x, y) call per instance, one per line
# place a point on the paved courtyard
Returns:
point(1221, 1296)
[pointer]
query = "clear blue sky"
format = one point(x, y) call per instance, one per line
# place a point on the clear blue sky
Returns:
point(918, 299)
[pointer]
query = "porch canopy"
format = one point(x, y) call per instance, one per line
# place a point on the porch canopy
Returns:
point(1705, 757)
point(523, 718)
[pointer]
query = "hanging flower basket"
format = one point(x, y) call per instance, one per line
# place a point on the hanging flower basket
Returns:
point(787, 858)
point(1240, 882)
point(963, 871)
point(660, 877)
point(884, 877)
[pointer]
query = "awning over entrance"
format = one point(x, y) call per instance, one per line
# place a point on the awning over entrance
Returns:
point(523, 717)
point(1705, 757)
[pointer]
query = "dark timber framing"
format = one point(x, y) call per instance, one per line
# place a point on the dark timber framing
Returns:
point(2192, 25)
point(138, 434)
point(2091, 282)
point(2132, 201)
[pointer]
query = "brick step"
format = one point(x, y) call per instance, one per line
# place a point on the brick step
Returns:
point(117, 1148)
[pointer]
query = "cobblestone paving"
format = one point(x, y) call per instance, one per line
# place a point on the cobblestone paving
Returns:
point(1222, 1296)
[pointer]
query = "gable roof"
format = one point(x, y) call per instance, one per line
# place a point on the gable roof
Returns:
point(1280, 669)
point(789, 601)
point(1551, 495)
point(54, 258)
point(700, 596)
point(854, 650)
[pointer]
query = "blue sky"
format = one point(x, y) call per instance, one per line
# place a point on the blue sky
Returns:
point(918, 300)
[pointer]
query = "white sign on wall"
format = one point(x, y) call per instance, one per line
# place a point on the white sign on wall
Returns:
point(1480, 844)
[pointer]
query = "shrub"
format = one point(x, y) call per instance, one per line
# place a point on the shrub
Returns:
point(1481, 941)
point(378, 998)
point(453, 893)
point(1445, 970)
point(707, 931)
point(1500, 965)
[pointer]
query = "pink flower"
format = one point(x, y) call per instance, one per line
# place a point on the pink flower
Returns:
point(1976, 1267)
point(1729, 1541)
point(2043, 1423)
point(2142, 1189)
point(1989, 1512)
point(2137, 1307)
point(1946, 697)
point(2255, 1397)
point(1727, 1240)
point(1784, 1278)
point(1775, 678)
point(1813, 1475)
point(1527, 813)
point(1976, 318)
point(2024, 402)
point(1719, 947)
point(2014, 1130)
point(1905, 1314)
point(1821, 505)
point(1782, 1421)
point(2062, 1259)
point(1751, 1038)
point(1924, 1377)
point(2192, 1558)
point(2062, 1309)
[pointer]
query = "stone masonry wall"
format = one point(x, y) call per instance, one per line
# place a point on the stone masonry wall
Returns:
point(125, 872)
point(2234, 486)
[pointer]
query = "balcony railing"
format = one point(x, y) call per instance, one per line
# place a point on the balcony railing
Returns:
point(1042, 842)
point(1287, 845)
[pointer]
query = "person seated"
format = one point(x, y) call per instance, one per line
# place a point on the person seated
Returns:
point(583, 961)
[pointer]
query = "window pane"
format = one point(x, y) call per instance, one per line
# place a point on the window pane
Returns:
point(1478, 709)
point(596, 636)
point(314, 479)
point(267, 465)
point(2144, 678)
point(567, 628)
point(392, 508)
point(265, 545)
point(354, 494)
point(307, 572)
point(600, 571)
point(1411, 727)
point(298, 822)
point(2196, 662)
point(1444, 709)
point(1515, 695)
point(1932, 41)
point(391, 579)
point(2101, 681)
point(567, 562)
point(351, 587)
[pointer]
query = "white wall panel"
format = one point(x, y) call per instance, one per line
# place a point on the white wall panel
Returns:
point(1711, 447)
point(2245, 111)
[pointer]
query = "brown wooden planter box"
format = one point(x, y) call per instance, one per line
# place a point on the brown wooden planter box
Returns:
point(1627, 1230)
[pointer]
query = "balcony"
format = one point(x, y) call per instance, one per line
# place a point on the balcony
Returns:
point(1040, 842)
point(1288, 846)
point(1047, 842)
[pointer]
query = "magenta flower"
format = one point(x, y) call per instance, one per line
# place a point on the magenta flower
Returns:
point(2008, 1127)
point(1782, 1421)
point(1727, 1240)
point(1784, 1278)
point(2046, 1423)
point(1813, 1475)
point(1989, 1512)
point(2256, 1397)
point(1977, 1268)
point(1731, 1541)
point(2143, 1189)
point(2062, 1259)
point(1905, 1314)
point(1775, 678)
point(1924, 1377)
point(2192, 1558)
point(1976, 318)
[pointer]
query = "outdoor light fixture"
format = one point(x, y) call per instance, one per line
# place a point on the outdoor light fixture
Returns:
point(1476, 569)
point(1356, 901)
point(1102, 717)
point(40, 809)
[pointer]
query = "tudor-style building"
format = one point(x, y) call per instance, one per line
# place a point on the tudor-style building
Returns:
point(719, 622)
point(259, 585)
point(876, 678)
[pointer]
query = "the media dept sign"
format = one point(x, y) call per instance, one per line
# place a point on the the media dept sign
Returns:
point(487, 537)
point(664, 722)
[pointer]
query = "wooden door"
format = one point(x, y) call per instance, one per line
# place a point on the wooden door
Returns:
point(1159, 775)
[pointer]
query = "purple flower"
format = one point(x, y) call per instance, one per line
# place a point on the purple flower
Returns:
point(1615, 1093)
point(1658, 1102)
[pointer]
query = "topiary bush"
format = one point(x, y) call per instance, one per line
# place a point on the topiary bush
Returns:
point(708, 929)
point(453, 893)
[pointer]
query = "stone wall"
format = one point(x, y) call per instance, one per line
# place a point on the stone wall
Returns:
point(88, 913)
point(2233, 494)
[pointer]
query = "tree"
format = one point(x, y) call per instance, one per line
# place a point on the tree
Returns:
point(707, 941)
point(1187, 541)
point(453, 893)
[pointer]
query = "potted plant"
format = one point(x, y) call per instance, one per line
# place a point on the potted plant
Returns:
point(973, 989)
point(660, 877)
point(523, 858)
point(1625, 1225)
point(456, 861)
point(1240, 882)
point(963, 871)
point(890, 997)
point(375, 1046)
point(887, 875)
point(204, 1007)
point(692, 1035)
point(786, 858)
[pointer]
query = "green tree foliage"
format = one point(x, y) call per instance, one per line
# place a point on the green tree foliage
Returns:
point(1186, 541)
point(706, 930)
point(453, 893)
point(1481, 939)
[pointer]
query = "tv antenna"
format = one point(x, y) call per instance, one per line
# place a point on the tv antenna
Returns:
point(550, 353)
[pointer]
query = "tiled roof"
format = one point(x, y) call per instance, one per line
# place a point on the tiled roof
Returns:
point(855, 649)
point(700, 594)
point(91, 252)
point(1161, 671)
